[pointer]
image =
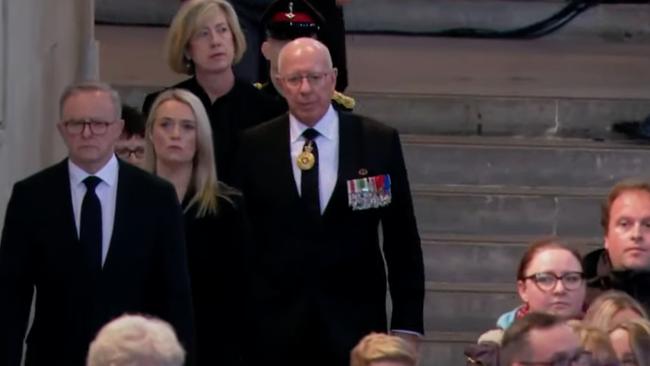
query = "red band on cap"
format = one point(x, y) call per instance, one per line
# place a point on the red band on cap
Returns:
point(292, 17)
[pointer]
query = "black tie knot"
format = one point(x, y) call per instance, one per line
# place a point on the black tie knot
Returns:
point(91, 182)
point(310, 134)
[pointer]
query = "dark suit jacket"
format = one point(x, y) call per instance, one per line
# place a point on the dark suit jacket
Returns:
point(216, 245)
point(322, 285)
point(145, 270)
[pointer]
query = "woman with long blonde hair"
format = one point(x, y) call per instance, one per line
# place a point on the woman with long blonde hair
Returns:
point(179, 149)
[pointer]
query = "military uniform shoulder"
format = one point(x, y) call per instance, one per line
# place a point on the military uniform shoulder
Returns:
point(259, 86)
point(344, 101)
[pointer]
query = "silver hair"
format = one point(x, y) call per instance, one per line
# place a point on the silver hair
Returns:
point(91, 86)
point(132, 340)
point(306, 42)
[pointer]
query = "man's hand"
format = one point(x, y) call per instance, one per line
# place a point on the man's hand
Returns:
point(412, 339)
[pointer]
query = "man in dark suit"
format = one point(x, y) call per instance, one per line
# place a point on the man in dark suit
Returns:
point(94, 236)
point(317, 184)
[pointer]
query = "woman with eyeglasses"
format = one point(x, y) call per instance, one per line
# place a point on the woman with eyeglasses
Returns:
point(549, 280)
point(179, 149)
point(631, 341)
point(204, 41)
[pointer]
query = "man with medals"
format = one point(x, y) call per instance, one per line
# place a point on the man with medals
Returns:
point(286, 20)
point(318, 184)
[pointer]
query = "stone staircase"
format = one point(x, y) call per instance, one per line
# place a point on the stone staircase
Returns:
point(519, 147)
point(505, 142)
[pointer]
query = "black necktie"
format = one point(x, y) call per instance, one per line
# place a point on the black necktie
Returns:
point(309, 179)
point(90, 233)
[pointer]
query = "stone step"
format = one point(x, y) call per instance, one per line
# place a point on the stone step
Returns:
point(498, 212)
point(481, 260)
point(524, 162)
point(445, 348)
point(468, 307)
point(607, 21)
point(613, 22)
point(475, 116)
point(455, 316)
point(427, 65)
point(433, 114)
point(480, 115)
point(538, 68)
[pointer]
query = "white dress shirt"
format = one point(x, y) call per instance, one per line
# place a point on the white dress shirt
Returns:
point(328, 152)
point(106, 191)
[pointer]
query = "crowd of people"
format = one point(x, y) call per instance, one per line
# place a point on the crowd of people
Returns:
point(581, 311)
point(233, 224)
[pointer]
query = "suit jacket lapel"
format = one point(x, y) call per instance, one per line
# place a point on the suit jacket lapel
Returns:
point(64, 201)
point(121, 213)
point(282, 145)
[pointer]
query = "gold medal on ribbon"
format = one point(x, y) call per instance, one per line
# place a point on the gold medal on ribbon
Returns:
point(306, 158)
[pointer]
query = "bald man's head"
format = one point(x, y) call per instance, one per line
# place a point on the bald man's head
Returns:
point(307, 79)
point(305, 45)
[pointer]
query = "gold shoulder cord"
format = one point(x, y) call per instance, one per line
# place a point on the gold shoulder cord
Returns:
point(344, 100)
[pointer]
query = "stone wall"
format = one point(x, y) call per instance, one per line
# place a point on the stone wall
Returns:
point(44, 46)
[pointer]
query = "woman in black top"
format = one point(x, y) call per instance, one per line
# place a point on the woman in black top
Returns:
point(204, 41)
point(179, 149)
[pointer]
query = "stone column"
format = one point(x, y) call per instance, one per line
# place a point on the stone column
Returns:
point(44, 46)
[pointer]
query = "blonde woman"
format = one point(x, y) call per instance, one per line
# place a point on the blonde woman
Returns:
point(612, 308)
point(631, 341)
point(595, 341)
point(204, 41)
point(179, 149)
point(377, 349)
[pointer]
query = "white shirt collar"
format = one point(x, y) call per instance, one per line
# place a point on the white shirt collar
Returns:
point(108, 173)
point(326, 126)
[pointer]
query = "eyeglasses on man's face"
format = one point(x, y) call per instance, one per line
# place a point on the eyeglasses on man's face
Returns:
point(76, 127)
point(547, 281)
point(313, 78)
